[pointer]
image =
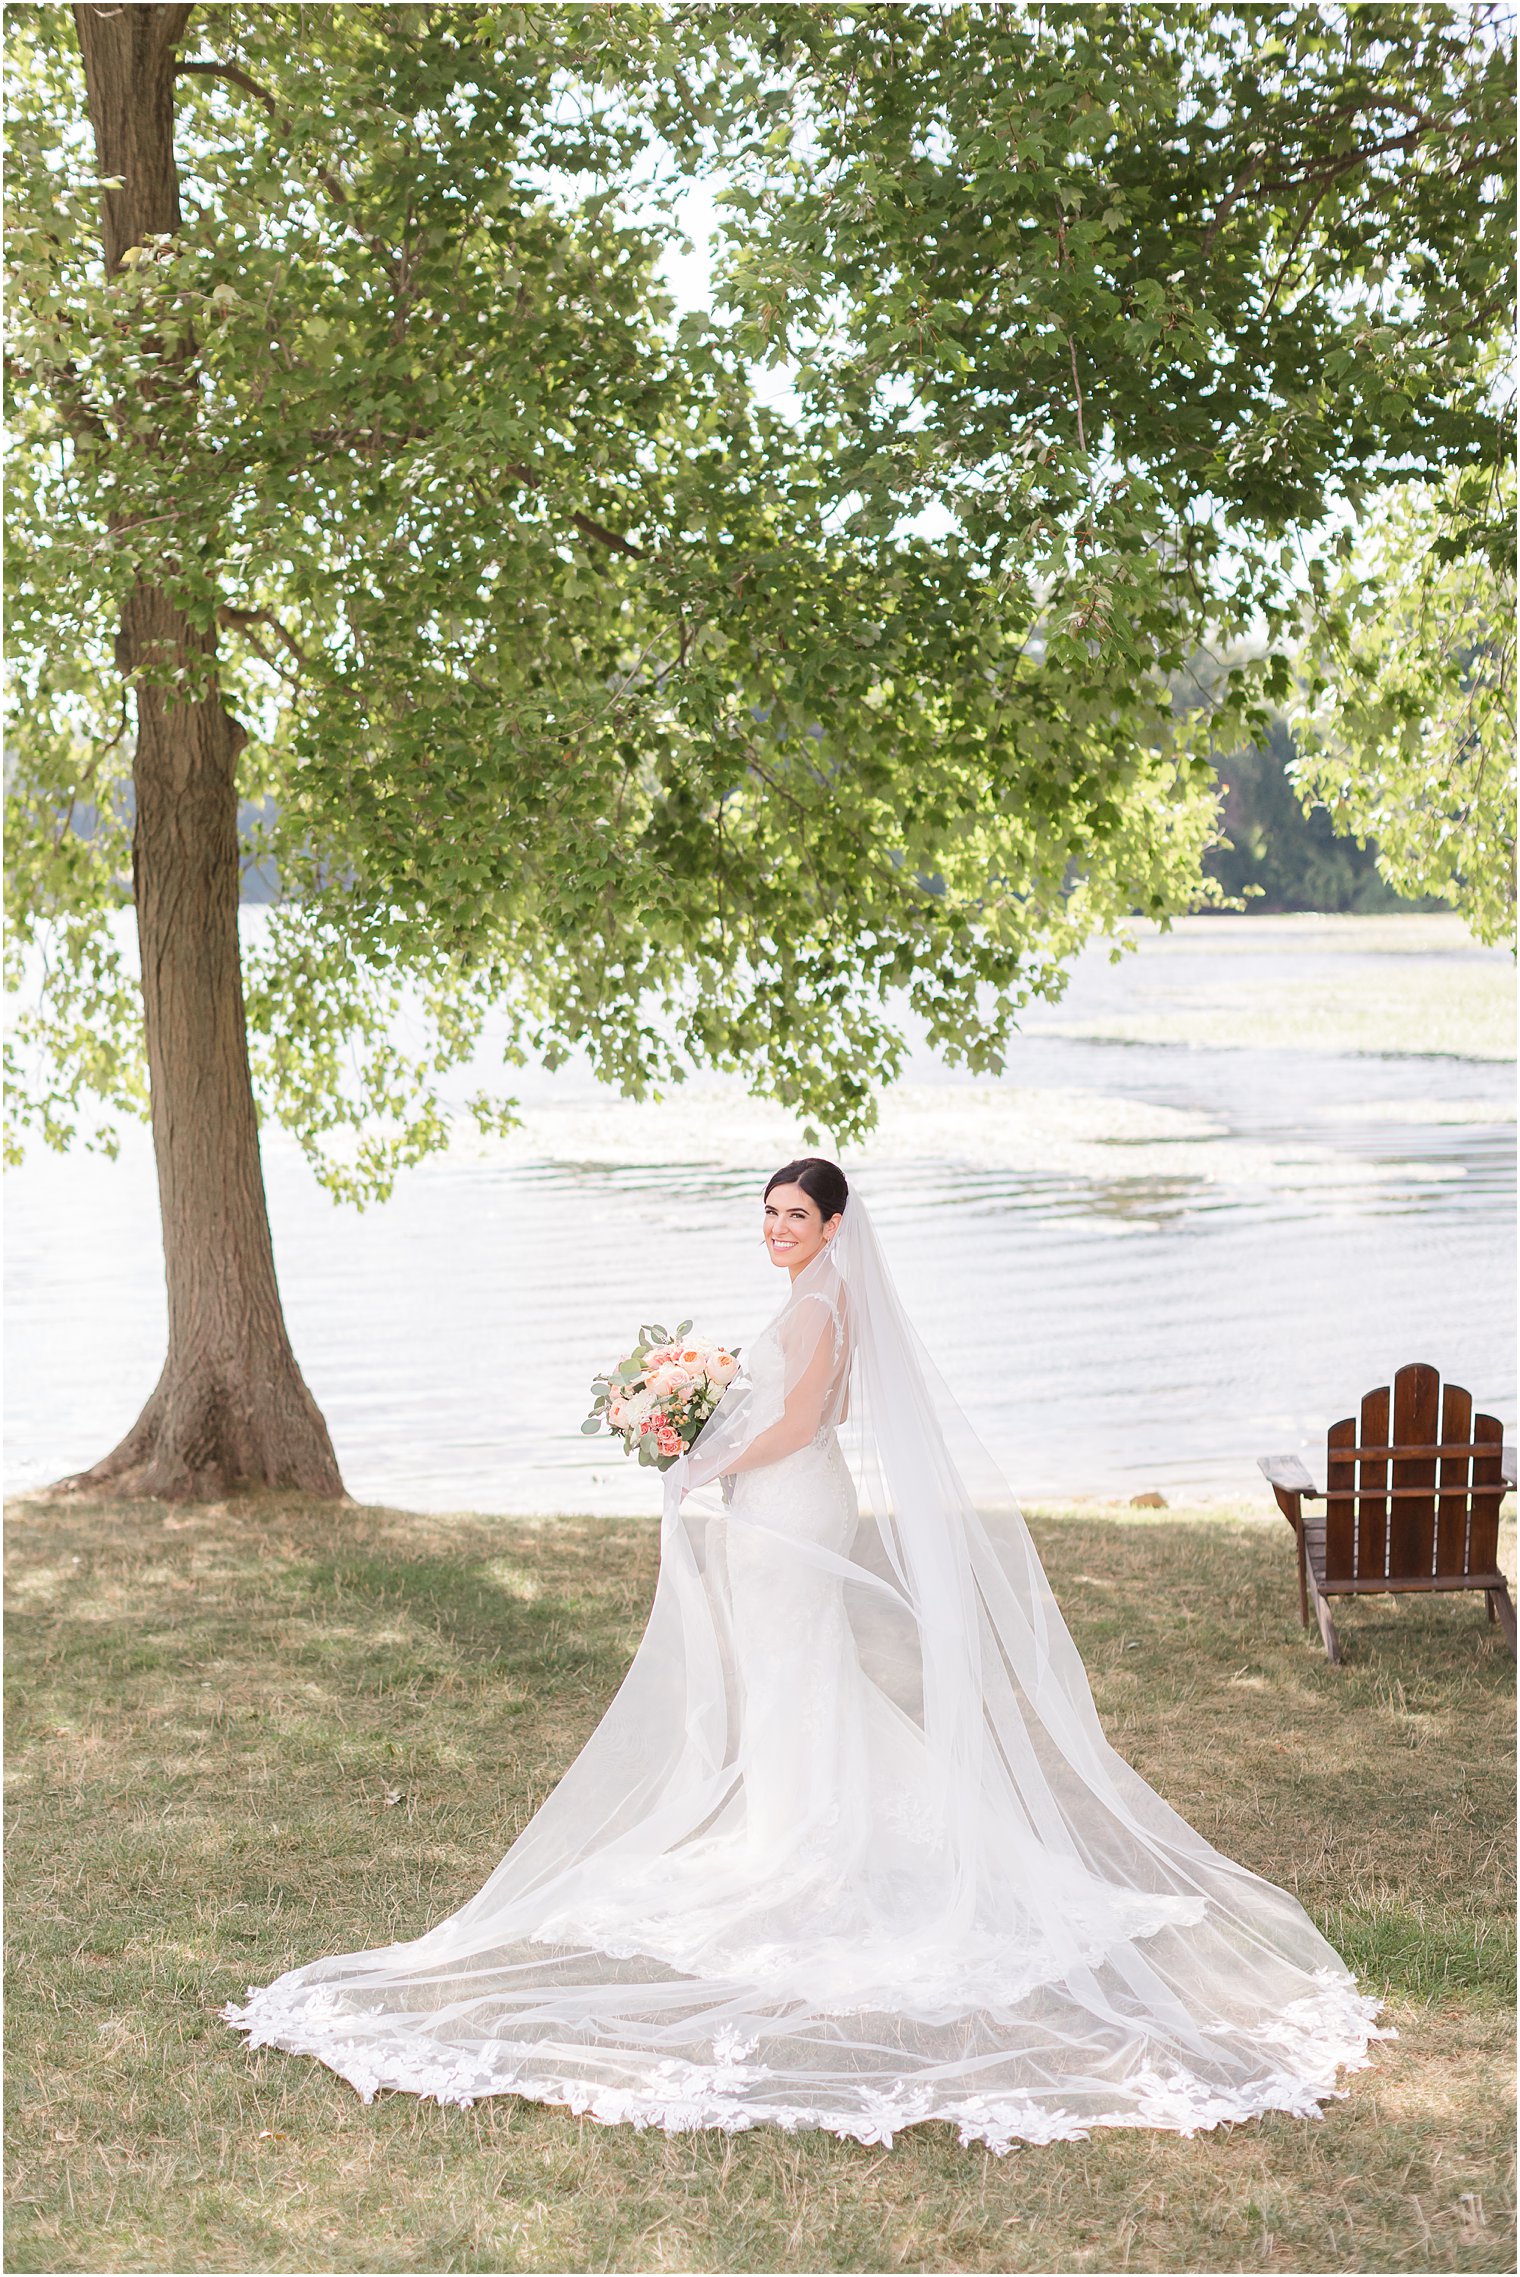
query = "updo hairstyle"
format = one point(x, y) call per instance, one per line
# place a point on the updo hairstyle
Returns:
point(822, 1182)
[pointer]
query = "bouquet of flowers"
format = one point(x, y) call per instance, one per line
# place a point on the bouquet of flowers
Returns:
point(661, 1393)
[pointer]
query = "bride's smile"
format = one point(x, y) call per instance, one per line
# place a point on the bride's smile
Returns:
point(795, 1228)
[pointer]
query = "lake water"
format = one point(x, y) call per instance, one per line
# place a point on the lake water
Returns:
point(1223, 1188)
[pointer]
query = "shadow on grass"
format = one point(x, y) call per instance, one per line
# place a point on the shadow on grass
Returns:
point(246, 1735)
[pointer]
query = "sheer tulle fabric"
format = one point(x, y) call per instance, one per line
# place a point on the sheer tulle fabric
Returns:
point(849, 1849)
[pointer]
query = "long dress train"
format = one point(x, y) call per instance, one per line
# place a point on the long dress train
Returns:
point(848, 1848)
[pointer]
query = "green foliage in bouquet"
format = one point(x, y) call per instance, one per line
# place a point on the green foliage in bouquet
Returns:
point(663, 1423)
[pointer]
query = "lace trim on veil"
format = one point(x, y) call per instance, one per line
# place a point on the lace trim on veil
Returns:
point(1304, 2049)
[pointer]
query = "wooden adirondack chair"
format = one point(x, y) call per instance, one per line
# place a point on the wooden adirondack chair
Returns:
point(1411, 1508)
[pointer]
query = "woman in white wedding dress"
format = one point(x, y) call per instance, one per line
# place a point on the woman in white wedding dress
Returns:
point(848, 1849)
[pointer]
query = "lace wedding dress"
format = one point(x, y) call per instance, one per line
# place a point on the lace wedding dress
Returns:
point(849, 1849)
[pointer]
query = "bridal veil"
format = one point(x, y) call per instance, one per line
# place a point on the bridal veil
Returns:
point(849, 1848)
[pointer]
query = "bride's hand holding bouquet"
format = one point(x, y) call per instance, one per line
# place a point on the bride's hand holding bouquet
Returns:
point(659, 1395)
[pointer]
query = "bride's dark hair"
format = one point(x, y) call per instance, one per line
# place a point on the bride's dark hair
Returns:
point(822, 1182)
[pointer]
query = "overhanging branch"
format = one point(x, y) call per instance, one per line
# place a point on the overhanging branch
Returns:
point(242, 620)
point(206, 68)
point(237, 77)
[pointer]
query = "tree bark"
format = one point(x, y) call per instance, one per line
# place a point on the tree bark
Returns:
point(231, 1409)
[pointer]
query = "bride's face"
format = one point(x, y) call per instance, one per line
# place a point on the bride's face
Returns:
point(795, 1230)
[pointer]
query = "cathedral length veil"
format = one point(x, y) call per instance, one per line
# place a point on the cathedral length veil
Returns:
point(849, 1849)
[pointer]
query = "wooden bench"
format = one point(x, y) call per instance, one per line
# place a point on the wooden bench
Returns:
point(1411, 1507)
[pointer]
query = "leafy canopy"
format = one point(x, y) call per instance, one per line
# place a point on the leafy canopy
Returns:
point(590, 693)
point(1407, 717)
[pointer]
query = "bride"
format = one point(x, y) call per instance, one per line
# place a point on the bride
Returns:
point(848, 1849)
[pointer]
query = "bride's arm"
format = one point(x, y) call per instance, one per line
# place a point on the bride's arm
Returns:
point(800, 1417)
point(802, 1412)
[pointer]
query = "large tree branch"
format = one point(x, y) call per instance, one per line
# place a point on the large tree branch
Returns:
point(1323, 172)
point(239, 79)
point(1329, 171)
point(1227, 205)
point(242, 620)
point(1299, 235)
point(587, 524)
point(1325, 179)
point(593, 529)
point(206, 68)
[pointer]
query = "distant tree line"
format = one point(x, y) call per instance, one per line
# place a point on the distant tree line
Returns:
point(1277, 856)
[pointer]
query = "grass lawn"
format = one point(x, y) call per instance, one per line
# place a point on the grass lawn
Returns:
point(244, 1736)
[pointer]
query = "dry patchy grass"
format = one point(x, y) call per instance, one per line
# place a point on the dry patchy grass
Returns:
point(243, 1735)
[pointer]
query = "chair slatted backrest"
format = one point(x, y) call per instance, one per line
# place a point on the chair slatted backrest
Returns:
point(1453, 1510)
point(1416, 1423)
point(1413, 1485)
point(1488, 1493)
point(1372, 1516)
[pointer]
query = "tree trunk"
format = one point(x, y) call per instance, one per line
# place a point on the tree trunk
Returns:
point(231, 1408)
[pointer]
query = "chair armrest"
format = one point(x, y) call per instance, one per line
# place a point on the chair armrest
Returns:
point(1286, 1471)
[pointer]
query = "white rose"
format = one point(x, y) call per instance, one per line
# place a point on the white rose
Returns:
point(722, 1368)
